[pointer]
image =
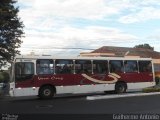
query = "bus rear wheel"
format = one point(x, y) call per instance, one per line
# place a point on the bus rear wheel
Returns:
point(120, 87)
point(46, 92)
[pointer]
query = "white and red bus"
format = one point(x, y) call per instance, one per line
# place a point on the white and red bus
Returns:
point(47, 76)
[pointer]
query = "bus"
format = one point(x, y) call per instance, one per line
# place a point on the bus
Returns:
point(47, 76)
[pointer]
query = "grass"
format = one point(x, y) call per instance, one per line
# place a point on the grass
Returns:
point(155, 88)
point(151, 89)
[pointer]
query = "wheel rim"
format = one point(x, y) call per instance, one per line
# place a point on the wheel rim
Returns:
point(121, 88)
point(47, 92)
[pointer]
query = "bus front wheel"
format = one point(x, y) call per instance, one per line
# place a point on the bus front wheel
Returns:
point(120, 87)
point(46, 92)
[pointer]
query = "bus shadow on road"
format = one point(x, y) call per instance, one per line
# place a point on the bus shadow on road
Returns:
point(57, 97)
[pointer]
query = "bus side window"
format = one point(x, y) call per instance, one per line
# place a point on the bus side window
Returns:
point(44, 66)
point(145, 66)
point(116, 66)
point(64, 66)
point(130, 66)
point(28, 68)
point(100, 66)
point(83, 66)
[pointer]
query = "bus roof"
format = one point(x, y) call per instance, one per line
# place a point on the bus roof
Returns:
point(78, 57)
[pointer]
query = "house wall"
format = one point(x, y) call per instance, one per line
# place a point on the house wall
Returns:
point(157, 68)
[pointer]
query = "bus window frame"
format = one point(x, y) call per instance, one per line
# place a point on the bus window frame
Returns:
point(121, 70)
point(105, 62)
point(49, 68)
point(131, 69)
point(146, 69)
point(90, 71)
point(71, 69)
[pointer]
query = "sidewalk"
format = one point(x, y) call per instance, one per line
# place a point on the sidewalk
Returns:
point(131, 94)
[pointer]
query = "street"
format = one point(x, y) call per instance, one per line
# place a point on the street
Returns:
point(70, 105)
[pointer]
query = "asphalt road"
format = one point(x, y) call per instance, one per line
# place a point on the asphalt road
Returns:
point(80, 105)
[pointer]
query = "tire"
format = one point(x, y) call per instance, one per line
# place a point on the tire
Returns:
point(120, 87)
point(109, 92)
point(46, 92)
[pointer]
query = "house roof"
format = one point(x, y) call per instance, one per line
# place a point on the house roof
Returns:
point(126, 51)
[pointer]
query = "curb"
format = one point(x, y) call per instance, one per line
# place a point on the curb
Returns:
point(99, 97)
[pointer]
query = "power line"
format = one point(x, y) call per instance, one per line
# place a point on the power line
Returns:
point(59, 48)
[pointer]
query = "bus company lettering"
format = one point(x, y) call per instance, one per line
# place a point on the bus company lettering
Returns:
point(56, 78)
point(50, 78)
point(43, 78)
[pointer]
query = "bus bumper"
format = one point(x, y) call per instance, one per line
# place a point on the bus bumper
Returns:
point(11, 92)
point(11, 89)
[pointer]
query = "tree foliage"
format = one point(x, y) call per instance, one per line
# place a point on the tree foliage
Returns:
point(4, 77)
point(146, 46)
point(11, 31)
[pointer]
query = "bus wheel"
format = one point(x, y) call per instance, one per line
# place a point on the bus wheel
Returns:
point(46, 92)
point(120, 87)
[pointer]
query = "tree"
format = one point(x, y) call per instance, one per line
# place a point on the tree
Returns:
point(146, 46)
point(4, 77)
point(11, 31)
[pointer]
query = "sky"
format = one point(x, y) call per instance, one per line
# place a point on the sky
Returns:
point(89, 24)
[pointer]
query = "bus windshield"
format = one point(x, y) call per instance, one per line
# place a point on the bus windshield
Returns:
point(24, 71)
